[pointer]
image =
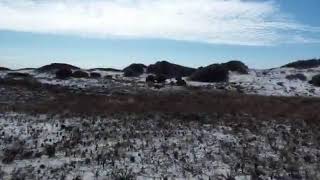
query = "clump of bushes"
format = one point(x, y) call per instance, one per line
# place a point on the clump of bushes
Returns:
point(122, 174)
point(131, 73)
point(108, 77)
point(19, 75)
point(80, 74)
point(23, 173)
point(4, 69)
point(27, 81)
point(11, 152)
point(315, 80)
point(150, 79)
point(156, 79)
point(236, 66)
point(304, 64)
point(134, 70)
point(212, 73)
point(56, 67)
point(95, 75)
point(9, 156)
point(63, 73)
point(170, 70)
point(105, 69)
point(180, 82)
point(300, 77)
point(161, 78)
point(50, 150)
point(219, 72)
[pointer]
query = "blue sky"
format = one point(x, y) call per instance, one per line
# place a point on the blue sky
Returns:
point(115, 33)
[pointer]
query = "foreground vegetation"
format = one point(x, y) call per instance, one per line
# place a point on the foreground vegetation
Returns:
point(54, 132)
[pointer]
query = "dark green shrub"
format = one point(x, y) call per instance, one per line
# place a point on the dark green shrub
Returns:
point(316, 80)
point(56, 67)
point(95, 75)
point(212, 73)
point(160, 78)
point(134, 70)
point(108, 77)
point(236, 66)
point(19, 75)
point(4, 69)
point(63, 73)
point(80, 74)
point(181, 82)
point(150, 78)
point(50, 150)
point(304, 64)
point(301, 77)
point(170, 70)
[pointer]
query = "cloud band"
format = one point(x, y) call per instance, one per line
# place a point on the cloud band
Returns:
point(236, 22)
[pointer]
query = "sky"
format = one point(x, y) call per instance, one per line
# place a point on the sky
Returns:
point(116, 33)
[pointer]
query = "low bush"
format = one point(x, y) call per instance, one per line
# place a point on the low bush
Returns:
point(315, 80)
point(95, 75)
point(150, 78)
point(122, 174)
point(212, 73)
point(56, 67)
point(131, 73)
point(181, 82)
point(304, 64)
point(9, 156)
point(105, 69)
point(170, 70)
point(29, 82)
point(108, 77)
point(80, 74)
point(19, 75)
point(236, 66)
point(50, 150)
point(63, 73)
point(160, 78)
point(11, 152)
point(134, 70)
point(4, 69)
point(300, 77)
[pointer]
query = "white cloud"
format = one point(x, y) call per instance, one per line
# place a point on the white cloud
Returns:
point(211, 21)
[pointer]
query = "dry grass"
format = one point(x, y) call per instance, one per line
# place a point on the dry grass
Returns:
point(191, 101)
